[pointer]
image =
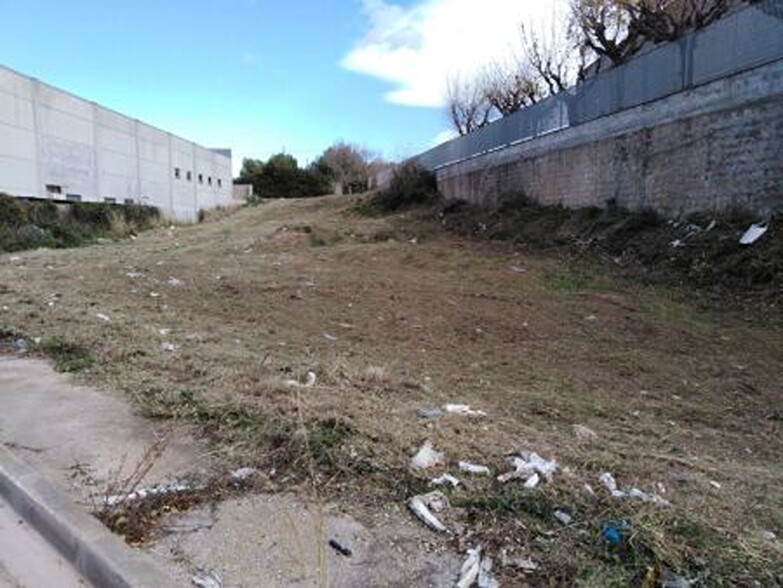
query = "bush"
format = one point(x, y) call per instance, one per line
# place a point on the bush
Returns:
point(410, 184)
point(31, 225)
point(12, 214)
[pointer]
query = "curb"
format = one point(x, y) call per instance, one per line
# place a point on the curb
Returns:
point(98, 555)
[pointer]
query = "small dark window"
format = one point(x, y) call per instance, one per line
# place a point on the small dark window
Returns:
point(201, 178)
point(110, 200)
point(73, 197)
point(53, 189)
point(189, 175)
point(220, 183)
point(209, 180)
point(129, 201)
point(177, 172)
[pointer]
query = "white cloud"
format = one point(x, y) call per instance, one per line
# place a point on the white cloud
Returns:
point(444, 136)
point(419, 47)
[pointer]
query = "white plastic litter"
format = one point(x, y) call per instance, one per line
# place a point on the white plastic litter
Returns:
point(445, 480)
point(486, 579)
point(310, 380)
point(207, 579)
point(528, 466)
point(329, 337)
point(141, 493)
point(470, 569)
point(584, 433)
point(753, 234)
point(533, 481)
point(174, 282)
point(610, 484)
point(169, 347)
point(475, 469)
point(243, 474)
point(423, 507)
point(716, 485)
point(563, 517)
point(103, 317)
point(427, 457)
point(463, 409)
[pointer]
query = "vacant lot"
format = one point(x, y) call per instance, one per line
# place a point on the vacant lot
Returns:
point(207, 323)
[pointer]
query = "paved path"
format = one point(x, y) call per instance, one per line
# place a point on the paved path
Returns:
point(27, 561)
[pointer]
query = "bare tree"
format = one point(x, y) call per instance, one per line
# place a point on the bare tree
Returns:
point(511, 86)
point(468, 106)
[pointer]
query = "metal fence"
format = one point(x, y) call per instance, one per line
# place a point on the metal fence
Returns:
point(739, 42)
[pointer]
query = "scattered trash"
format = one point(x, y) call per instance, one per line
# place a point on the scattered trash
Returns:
point(21, 346)
point(711, 226)
point(768, 536)
point(310, 380)
point(677, 244)
point(753, 234)
point(525, 564)
point(533, 481)
point(329, 337)
point(469, 572)
point(615, 532)
point(133, 275)
point(208, 579)
point(15, 259)
point(518, 270)
point(485, 578)
point(242, 474)
point(463, 409)
point(164, 332)
point(169, 347)
point(589, 489)
point(427, 457)
point(174, 282)
point(103, 317)
point(591, 318)
point(445, 480)
point(423, 506)
point(475, 469)
point(340, 548)
point(154, 295)
point(672, 580)
point(584, 433)
point(531, 467)
point(611, 484)
point(430, 413)
point(716, 485)
point(563, 517)
point(141, 493)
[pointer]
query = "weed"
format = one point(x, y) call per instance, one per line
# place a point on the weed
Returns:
point(69, 356)
point(410, 185)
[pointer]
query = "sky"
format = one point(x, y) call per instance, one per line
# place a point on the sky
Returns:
point(263, 76)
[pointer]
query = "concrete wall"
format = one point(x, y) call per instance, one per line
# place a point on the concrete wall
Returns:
point(713, 148)
point(58, 146)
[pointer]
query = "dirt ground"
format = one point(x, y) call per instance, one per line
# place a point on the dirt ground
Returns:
point(393, 315)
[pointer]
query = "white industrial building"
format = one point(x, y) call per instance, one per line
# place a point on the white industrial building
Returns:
point(58, 146)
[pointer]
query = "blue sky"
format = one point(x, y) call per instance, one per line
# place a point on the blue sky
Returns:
point(261, 76)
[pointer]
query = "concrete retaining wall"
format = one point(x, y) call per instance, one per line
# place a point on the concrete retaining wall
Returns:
point(713, 148)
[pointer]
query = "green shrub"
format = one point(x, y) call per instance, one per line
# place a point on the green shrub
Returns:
point(12, 213)
point(410, 184)
point(43, 213)
point(34, 237)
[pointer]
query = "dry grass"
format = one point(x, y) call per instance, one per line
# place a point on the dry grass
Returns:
point(393, 316)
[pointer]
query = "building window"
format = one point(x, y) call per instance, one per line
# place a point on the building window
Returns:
point(220, 183)
point(209, 180)
point(53, 189)
point(201, 178)
point(130, 201)
point(108, 200)
point(73, 197)
point(177, 172)
point(189, 175)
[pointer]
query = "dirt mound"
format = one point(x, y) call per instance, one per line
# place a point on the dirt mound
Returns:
point(703, 252)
